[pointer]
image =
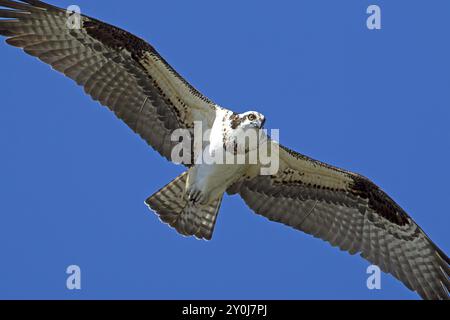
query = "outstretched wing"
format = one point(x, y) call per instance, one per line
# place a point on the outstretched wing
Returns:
point(352, 213)
point(116, 68)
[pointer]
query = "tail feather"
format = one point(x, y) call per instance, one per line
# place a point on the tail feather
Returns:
point(189, 219)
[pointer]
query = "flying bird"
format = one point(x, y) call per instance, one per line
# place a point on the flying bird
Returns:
point(126, 74)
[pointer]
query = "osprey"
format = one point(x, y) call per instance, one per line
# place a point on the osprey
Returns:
point(126, 74)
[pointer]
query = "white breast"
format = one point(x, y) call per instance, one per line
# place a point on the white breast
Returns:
point(213, 179)
point(218, 130)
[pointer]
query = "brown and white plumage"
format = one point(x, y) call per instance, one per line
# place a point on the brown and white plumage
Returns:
point(116, 68)
point(127, 75)
point(352, 213)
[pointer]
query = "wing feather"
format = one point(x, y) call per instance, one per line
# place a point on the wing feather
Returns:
point(116, 68)
point(351, 213)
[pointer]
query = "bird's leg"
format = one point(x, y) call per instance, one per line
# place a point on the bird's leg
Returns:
point(196, 196)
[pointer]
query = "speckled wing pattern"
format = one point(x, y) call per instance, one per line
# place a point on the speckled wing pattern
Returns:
point(352, 213)
point(116, 68)
point(127, 75)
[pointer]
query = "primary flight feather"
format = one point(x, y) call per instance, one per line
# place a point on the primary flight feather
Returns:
point(126, 74)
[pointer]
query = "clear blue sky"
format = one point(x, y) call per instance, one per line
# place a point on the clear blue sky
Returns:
point(73, 179)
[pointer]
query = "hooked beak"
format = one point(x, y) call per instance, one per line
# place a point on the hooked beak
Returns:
point(263, 122)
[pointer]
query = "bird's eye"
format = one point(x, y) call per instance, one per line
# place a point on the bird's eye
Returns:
point(251, 117)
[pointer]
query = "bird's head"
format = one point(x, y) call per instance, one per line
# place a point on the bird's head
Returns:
point(248, 120)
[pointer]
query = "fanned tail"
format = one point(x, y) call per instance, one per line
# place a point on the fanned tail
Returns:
point(189, 219)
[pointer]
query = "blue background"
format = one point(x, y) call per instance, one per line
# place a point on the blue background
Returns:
point(73, 178)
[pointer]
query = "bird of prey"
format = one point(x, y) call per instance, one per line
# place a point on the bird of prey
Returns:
point(126, 74)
